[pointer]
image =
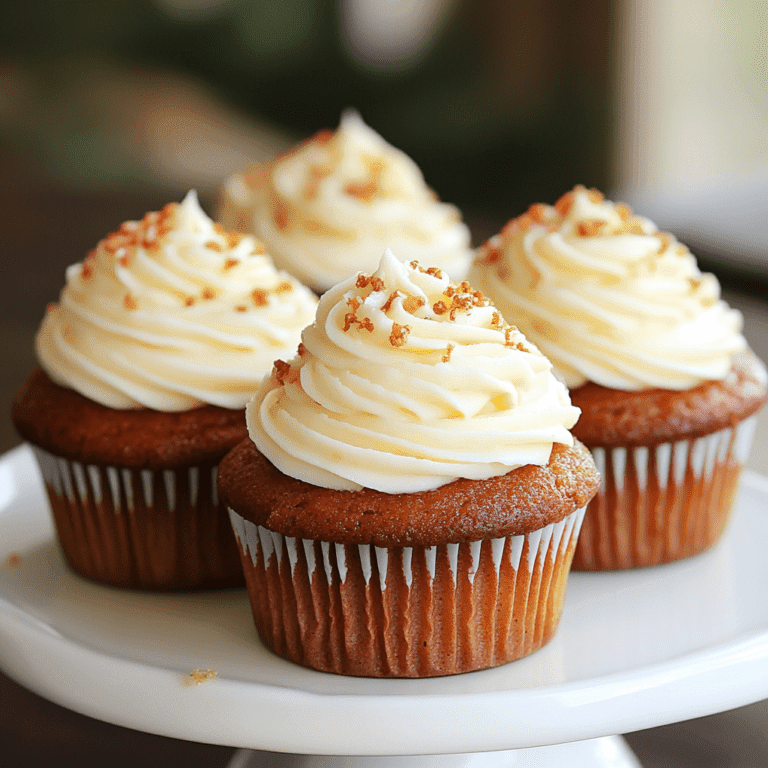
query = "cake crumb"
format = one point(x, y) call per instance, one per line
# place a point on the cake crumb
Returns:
point(197, 676)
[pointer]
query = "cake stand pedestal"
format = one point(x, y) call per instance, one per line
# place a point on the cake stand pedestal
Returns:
point(634, 650)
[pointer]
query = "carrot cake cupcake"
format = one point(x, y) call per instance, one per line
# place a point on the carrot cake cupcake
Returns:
point(409, 497)
point(160, 338)
point(655, 360)
point(329, 207)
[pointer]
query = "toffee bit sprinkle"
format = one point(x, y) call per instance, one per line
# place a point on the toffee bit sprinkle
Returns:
point(364, 190)
point(508, 336)
point(354, 302)
point(281, 371)
point(595, 196)
point(241, 308)
point(302, 350)
point(536, 212)
point(447, 356)
point(280, 216)
point(412, 303)
point(129, 302)
point(362, 280)
point(439, 308)
point(563, 205)
point(218, 228)
point(212, 245)
point(229, 263)
point(665, 240)
point(366, 324)
point(491, 254)
point(624, 211)
point(258, 250)
point(399, 334)
point(589, 227)
point(284, 287)
point(189, 301)
point(388, 303)
point(435, 272)
point(349, 320)
point(198, 676)
point(377, 284)
point(86, 273)
point(233, 239)
point(323, 136)
point(259, 296)
point(208, 293)
point(496, 320)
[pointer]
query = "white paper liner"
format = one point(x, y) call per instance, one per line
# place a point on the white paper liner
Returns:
point(406, 611)
point(141, 528)
point(662, 503)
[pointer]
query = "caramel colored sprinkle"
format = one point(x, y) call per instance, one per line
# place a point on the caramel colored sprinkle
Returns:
point(496, 320)
point(218, 228)
point(491, 254)
point(233, 239)
point(435, 272)
point(198, 676)
point(322, 136)
point(129, 302)
point(189, 301)
point(449, 291)
point(439, 308)
point(364, 190)
point(508, 227)
point(86, 273)
point(14, 560)
point(695, 283)
point(229, 263)
point(447, 356)
point(666, 240)
point(623, 210)
point(52, 307)
point(208, 293)
point(280, 216)
point(536, 212)
point(388, 303)
point(377, 284)
point(399, 334)
point(284, 287)
point(563, 205)
point(354, 302)
point(362, 280)
point(259, 296)
point(312, 225)
point(124, 260)
point(281, 371)
point(412, 303)
point(366, 324)
point(589, 228)
point(259, 249)
point(302, 350)
point(595, 196)
point(349, 320)
point(212, 245)
point(241, 308)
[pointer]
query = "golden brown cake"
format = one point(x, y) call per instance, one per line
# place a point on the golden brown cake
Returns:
point(161, 336)
point(409, 497)
point(655, 360)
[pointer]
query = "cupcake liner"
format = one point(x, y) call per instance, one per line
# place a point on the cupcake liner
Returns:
point(662, 503)
point(141, 528)
point(406, 611)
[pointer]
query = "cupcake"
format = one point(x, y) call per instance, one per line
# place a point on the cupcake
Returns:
point(161, 337)
point(409, 497)
point(653, 357)
point(329, 208)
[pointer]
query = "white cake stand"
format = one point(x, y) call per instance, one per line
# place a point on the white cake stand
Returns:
point(634, 650)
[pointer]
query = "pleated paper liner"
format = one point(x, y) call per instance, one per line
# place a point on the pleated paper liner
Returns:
point(140, 528)
point(661, 503)
point(406, 611)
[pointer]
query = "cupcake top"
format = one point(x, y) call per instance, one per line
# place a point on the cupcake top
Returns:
point(608, 298)
point(330, 207)
point(407, 381)
point(172, 312)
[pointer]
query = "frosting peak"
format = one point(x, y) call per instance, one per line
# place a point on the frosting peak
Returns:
point(171, 312)
point(607, 297)
point(330, 207)
point(405, 382)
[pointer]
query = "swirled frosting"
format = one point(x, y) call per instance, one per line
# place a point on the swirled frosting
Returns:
point(405, 382)
point(329, 208)
point(171, 312)
point(607, 297)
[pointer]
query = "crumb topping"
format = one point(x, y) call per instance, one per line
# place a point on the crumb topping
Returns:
point(399, 335)
point(198, 676)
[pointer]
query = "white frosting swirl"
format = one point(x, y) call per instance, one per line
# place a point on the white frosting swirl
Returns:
point(172, 312)
point(330, 207)
point(607, 298)
point(405, 382)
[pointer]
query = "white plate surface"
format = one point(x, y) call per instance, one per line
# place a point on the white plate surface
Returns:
point(634, 650)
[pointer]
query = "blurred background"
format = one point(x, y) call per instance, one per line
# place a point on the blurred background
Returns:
point(108, 110)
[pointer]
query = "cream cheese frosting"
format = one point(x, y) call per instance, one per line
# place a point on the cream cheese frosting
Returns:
point(405, 382)
point(607, 297)
point(329, 208)
point(171, 312)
